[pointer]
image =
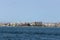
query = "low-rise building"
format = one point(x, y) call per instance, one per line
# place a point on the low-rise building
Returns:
point(36, 24)
point(49, 24)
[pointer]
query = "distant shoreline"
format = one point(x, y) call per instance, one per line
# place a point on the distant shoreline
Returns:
point(33, 24)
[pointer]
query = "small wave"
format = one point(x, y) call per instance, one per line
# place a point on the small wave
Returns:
point(24, 32)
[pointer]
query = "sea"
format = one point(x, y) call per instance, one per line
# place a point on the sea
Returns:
point(29, 33)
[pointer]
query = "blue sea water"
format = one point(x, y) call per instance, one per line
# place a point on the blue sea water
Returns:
point(29, 33)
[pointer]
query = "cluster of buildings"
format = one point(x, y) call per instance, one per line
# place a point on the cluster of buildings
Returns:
point(40, 24)
point(22, 24)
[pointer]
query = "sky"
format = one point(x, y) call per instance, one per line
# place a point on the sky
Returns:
point(29, 10)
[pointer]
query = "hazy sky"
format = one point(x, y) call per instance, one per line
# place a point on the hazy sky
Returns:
point(29, 10)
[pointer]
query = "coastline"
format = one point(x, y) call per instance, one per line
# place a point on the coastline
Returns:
point(33, 24)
